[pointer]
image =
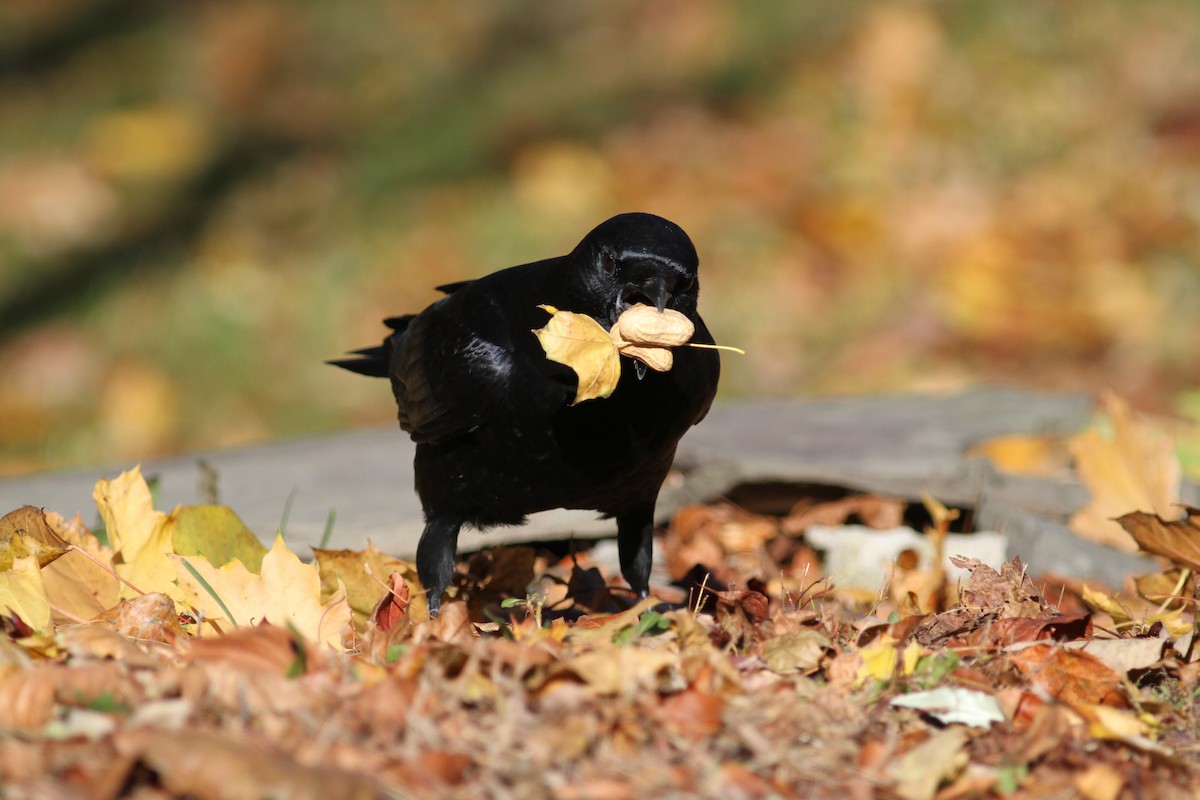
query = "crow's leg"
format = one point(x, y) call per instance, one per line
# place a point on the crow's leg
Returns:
point(435, 558)
point(635, 543)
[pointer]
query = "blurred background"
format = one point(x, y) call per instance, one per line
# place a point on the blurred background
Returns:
point(199, 202)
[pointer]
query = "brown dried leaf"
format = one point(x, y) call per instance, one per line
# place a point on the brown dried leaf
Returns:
point(99, 642)
point(393, 606)
point(1177, 540)
point(1074, 677)
point(1012, 630)
point(266, 648)
point(619, 670)
point(187, 762)
point(802, 651)
point(920, 771)
point(151, 617)
point(26, 697)
point(1011, 592)
point(692, 714)
point(875, 512)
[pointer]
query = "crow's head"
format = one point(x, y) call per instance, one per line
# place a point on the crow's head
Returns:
point(636, 258)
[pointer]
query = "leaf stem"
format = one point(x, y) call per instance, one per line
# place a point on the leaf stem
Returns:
point(104, 567)
point(727, 347)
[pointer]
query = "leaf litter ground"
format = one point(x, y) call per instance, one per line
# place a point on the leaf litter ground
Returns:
point(157, 664)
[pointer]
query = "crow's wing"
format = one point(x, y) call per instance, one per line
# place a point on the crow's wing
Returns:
point(467, 359)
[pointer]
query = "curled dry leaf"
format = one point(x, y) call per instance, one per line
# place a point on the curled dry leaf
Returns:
point(24, 533)
point(1177, 540)
point(150, 617)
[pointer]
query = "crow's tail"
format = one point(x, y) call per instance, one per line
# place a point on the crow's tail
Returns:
point(375, 361)
point(372, 361)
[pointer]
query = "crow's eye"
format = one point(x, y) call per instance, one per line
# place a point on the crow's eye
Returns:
point(685, 284)
point(607, 262)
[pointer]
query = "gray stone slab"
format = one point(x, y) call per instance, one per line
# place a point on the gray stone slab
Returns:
point(364, 476)
point(897, 445)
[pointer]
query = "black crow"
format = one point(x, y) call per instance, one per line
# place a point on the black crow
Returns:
point(497, 435)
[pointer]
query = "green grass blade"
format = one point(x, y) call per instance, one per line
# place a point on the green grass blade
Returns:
point(200, 579)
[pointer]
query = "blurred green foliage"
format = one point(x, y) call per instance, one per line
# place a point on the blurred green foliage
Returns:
point(201, 201)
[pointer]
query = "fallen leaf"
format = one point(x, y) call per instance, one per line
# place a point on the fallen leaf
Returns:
point(1100, 781)
point(882, 659)
point(1134, 469)
point(25, 533)
point(876, 512)
point(150, 617)
point(98, 641)
point(263, 648)
point(692, 714)
point(1038, 455)
point(619, 670)
point(1106, 722)
point(393, 605)
point(1175, 539)
point(79, 587)
point(216, 533)
point(949, 704)
point(1074, 677)
point(363, 573)
point(26, 697)
point(23, 594)
point(1122, 655)
point(140, 535)
point(802, 651)
point(212, 765)
point(287, 592)
point(920, 771)
point(1011, 592)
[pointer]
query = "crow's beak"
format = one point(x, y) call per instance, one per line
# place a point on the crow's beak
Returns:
point(652, 292)
point(658, 293)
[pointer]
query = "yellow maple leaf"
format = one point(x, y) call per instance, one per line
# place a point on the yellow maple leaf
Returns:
point(139, 534)
point(23, 594)
point(582, 344)
point(78, 586)
point(881, 659)
point(641, 332)
point(363, 574)
point(1134, 469)
point(287, 591)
